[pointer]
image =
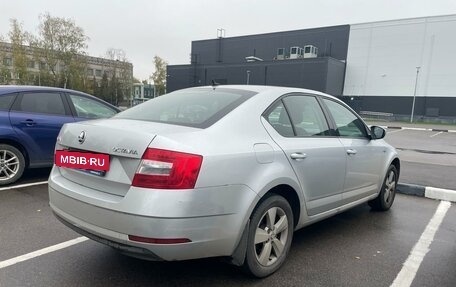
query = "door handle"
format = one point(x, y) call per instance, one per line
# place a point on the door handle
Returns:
point(298, 156)
point(29, 122)
point(351, 151)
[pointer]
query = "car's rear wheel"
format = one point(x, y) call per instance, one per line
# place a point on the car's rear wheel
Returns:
point(270, 235)
point(385, 198)
point(12, 164)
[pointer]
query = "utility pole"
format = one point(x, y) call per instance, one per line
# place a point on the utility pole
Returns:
point(248, 77)
point(414, 94)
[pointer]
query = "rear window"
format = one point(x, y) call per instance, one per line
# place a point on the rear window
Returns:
point(5, 101)
point(199, 108)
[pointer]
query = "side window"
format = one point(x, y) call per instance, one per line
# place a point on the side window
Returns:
point(5, 102)
point(348, 125)
point(306, 115)
point(279, 120)
point(90, 109)
point(42, 103)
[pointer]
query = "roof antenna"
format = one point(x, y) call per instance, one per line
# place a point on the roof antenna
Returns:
point(214, 84)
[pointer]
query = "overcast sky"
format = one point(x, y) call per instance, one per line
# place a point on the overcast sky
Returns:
point(144, 28)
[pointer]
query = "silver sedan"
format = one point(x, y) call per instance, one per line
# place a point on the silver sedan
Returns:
point(222, 171)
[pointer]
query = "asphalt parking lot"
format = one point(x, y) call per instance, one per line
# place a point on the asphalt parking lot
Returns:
point(356, 248)
point(428, 158)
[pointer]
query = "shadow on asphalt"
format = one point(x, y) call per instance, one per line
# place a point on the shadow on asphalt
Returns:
point(32, 175)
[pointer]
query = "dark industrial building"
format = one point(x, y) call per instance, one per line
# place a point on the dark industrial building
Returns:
point(256, 60)
point(378, 68)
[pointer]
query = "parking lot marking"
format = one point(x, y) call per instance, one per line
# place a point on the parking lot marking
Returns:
point(40, 252)
point(416, 256)
point(435, 134)
point(23, 185)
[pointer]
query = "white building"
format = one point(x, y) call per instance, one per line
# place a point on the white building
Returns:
point(384, 58)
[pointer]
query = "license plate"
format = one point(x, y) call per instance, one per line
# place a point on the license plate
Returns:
point(94, 163)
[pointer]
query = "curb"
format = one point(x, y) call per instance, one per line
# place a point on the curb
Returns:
point(418, 129)
point(427, 191)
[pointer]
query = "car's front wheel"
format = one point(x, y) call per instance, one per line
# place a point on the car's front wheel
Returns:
point(12, 164)
point(270, 235)
point(385, 198)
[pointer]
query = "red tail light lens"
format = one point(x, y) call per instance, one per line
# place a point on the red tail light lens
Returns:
point(164, 169)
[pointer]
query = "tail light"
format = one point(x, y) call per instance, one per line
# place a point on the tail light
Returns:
point(164, 169)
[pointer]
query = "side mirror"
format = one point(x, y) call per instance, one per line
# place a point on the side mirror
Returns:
point(377, 132)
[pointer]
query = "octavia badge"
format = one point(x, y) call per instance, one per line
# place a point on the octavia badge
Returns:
point(82, 137)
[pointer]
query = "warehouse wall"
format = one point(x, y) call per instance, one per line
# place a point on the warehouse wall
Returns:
point(382, 60)
point(331, 41)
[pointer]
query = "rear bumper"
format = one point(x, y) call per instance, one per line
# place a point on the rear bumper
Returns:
point(212, 218)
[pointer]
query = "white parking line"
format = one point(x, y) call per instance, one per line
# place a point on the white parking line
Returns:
point(435, 134)
point(23, 185)
point(40, 252)
point(413, 262)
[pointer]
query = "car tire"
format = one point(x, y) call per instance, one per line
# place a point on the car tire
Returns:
point(268, 244)
point(12, 164)
point(385, 198)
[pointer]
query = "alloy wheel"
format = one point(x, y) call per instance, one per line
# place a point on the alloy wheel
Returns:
point(390, 187)
point(271, 236)
point(9, 165)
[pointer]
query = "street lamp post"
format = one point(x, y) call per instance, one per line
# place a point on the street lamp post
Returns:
point(414, 94)
point(248, 77)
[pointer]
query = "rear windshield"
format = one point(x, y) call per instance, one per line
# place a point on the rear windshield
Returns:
point(199, 108)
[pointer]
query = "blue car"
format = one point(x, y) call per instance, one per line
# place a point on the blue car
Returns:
point(30, 120)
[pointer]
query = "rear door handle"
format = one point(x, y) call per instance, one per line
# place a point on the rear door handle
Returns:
point(298, 156)
point(29, 122)
point(351, 151)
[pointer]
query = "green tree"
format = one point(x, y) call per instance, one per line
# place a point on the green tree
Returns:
point(5, 73)
point(18, 40)
point(61, 42)
point(115, 90)
point(121, 71)
point(159, 75)
point(104, 88)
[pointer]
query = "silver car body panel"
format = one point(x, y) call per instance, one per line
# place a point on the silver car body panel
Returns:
point(241, 163)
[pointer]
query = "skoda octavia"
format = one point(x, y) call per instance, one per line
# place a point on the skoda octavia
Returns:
point(222, 171)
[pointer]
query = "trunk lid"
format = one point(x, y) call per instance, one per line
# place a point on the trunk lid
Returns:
point(125, 141)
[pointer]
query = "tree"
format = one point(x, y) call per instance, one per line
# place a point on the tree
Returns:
point(104, 88)
point(159, 76)
point(122, 78)
point(18, 40)
point(5, 74)
point(61, 42)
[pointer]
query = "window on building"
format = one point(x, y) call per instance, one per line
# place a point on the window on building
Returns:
point(89, 72)
point(98, 73)
point(7, 61)
point(31, 64)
